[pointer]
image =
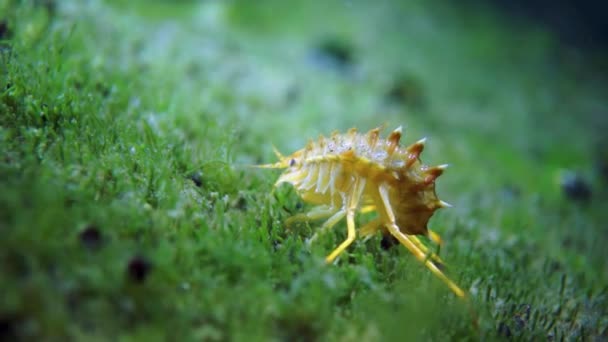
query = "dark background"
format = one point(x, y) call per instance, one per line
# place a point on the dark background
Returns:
point(578, 23)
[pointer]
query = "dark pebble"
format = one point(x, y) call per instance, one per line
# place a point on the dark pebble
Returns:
point(510, 192)
point(334, 53)
point(602, 167)
point(103, 89)
point(49, 5)
point(8, 327)
point(575, 187)
point(388, 241)
point(5, 31)
point(196, 178)
point(91, 238)
point(601, 161)
point(138, 269)
point(406, 91)
point(240, 203)
point(504, 330)
point(520, 323)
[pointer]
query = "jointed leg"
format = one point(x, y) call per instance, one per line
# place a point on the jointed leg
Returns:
point(373, 226)
point(314, 214)
point(421, 256)
point(435, 238)
point(367, 208)
point(353, 201)
point(350, 222)
point(429, 254)
point(413, 247)
point(328, 224)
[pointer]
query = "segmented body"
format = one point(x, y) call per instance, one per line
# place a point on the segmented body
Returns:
point(354, 172)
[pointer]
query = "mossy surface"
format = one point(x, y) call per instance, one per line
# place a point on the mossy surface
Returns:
point(128, 210)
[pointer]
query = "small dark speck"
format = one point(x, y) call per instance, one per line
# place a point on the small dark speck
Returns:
point(8, 327)
point(408, 91)
point(69, 202)
point(503, 330)
point(90, 237)
point(103, 89)
point(5, 32)
point(601, 161)
point(388, 241)
point(299, 206)
point(292, 162)
point(603, 169)
point(16, 263)
point(44, 118)
point(520, 323)
point(299, 328)
point(440, 266)
point(510, 191)
point(49, 5)
point(575, 187)
point(138, 269)
point(292, 94)
point(197, 178)
point(554, 266)
point(334, 53)
point(525, 312)
point(240, 203)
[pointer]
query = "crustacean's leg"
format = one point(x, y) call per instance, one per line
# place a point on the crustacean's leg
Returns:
point(435, 238)
point(425, 250)
point(413, 247)
point(315, 213)
point(367, 208)
point(352, 201)
point(335, 218)
point(374, 225)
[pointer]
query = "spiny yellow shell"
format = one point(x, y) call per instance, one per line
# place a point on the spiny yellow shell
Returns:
point(325, 170)
point(347, 171)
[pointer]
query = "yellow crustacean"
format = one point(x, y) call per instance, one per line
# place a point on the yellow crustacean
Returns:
point(354, 172)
